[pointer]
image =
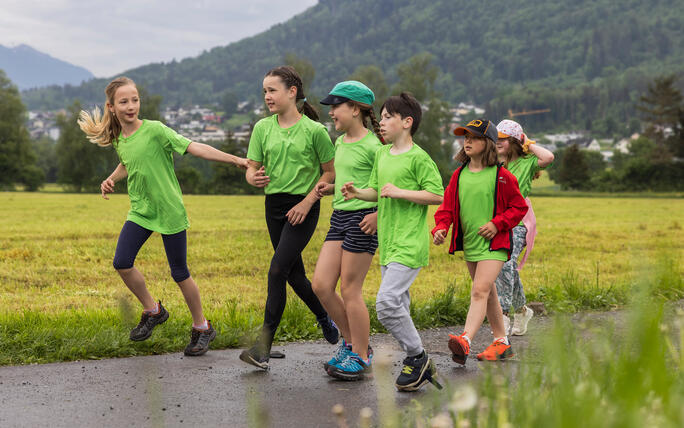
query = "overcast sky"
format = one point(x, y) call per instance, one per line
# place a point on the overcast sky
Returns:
point(108, 37)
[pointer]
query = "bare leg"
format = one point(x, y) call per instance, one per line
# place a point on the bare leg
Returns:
point(354, 269)
point(135, 282)
point(191, 294)
point(325, 281)
point(484, 274)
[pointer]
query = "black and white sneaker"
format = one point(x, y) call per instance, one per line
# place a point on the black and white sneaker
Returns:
point(147, 323)
point(199, 341)
point(256, 357)
point(417, 371)
point(330, 331)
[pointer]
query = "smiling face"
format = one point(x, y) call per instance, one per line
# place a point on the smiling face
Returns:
point(277, 96)
point(392, 125)
point(126, 104)
point(343, 116)
point(503, 145)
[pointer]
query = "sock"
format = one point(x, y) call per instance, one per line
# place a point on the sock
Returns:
point(503, 339)
point(154, 311)
point(467, 339)
point(203, 326)
point(419, 356)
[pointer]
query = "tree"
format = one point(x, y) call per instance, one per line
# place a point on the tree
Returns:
point(417, 75)
point(17, 159)
point(304, 68)
point(227, 178)
point(662, 108)
point(149, 105)
point(573, 172)
point(229, 102)
point(373, 77)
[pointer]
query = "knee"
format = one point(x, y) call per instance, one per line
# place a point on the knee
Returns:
point(480, 291)
point(276, 272)
point(386, 306)
point(350, 291)
point(121, 263)
point(180, 273)
point(320, 288)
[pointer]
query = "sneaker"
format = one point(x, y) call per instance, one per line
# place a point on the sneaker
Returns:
point(255, 357)
point(199, 341)
point(147, 323)
point(507, 325)
point(460, 348)
point(520, 322)
point(330, 331)
point(498, 350)
point(340, 354)
point(417, 371)
point(351, 368)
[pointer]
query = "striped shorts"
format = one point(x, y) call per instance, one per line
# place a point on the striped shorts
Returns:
point(344, 226)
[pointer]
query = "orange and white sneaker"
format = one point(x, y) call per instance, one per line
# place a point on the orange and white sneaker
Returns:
point(460, 348)
point(498, 350)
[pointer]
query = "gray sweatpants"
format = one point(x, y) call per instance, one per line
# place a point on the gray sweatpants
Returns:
point(393, 306)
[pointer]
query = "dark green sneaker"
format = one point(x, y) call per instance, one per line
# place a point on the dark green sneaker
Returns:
point(199, 341)
point(147, 323)
point(256, 357)
point(417, 371)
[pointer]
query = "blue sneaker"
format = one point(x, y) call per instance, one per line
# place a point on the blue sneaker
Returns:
point(351, 368)
point(340, 354)
point(330, 331)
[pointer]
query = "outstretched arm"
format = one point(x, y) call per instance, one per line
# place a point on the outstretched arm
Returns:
point(107, 185)
point(207, 152)
point(422, 197)
point(350, 191)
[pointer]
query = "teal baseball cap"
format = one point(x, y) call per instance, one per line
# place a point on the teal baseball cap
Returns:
point(349, 90)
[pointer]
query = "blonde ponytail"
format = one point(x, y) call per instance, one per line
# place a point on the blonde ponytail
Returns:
point(103, 130)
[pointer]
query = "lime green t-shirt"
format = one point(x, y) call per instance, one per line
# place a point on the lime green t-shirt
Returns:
point(354, 162)
point(476, 208)
point(156, 199)
point(403, 234)
point(291, 156)
point(524, 169)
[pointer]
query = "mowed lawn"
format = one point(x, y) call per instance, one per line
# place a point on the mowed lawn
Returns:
point(56, 250)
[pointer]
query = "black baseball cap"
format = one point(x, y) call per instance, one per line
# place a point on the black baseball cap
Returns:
point(480, 127)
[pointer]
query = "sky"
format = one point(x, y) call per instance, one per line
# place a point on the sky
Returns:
point(109, 37)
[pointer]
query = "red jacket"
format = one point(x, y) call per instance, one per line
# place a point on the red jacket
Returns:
point(509, 210)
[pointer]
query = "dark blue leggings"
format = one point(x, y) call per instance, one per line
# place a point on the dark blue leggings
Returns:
point(133, 237)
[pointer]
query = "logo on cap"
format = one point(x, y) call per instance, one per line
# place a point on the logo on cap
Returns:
point(475, 123)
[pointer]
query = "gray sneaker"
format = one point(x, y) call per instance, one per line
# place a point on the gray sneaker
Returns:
point(147, 323)
point(199, 341)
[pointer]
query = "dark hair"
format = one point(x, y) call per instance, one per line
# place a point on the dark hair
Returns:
point(367, 114)
point(490, 157)
point(405, 105)
point(517, 148)
point(291, 78)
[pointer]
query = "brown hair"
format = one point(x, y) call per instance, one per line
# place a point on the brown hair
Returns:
point(516, 147)
point(291, 78)
point(406, 106)
point(489, 157)
point(103, 130)
point(367, 114)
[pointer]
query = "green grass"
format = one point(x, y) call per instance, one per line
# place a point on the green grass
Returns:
point(62, 300)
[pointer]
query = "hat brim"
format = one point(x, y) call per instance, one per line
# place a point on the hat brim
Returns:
point(502, 135)
point(332, 100)
point(461, 130)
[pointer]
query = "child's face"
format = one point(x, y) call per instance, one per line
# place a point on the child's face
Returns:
point(126, 104)
point(276, 95)
point(392, 125)
point(503, 145)
point(474, 145)
point(343, 116)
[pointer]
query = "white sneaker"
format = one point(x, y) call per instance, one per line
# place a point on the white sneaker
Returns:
point(507, 325)
point(520, 322)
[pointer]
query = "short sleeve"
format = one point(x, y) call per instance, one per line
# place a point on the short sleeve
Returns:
point(322, 144)
point(255, 150)
point(427, 175)
point(174, 141)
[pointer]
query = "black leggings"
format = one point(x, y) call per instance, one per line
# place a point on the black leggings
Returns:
point(286, 265)
point(132, 238)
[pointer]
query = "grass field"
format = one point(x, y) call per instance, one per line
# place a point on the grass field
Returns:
point(56, 272)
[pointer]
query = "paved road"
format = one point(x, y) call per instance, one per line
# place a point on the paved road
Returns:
point(216, 389)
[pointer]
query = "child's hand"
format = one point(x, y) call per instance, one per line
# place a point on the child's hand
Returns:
point(488, 231)
point(389, 190)
point(438, 237)
point(107, 186)
point(369, 224)
point(349, 191)
point(298, 213)
point(241, 163)
point(259, 178)
point(323, 189)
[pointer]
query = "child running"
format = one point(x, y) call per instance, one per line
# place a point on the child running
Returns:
point(287, 152)
point(524, 159)
point(145, 149)
point(477, 189)
point(351, 242)
point(406, 180)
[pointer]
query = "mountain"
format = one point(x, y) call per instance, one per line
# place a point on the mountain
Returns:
point(29, 68)
point(584, 60)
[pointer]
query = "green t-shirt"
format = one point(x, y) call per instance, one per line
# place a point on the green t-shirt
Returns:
point(476, 208)
point(524, 169)
point(354, 162)
point(291, 156)
point(403, 234)
point(156, 199)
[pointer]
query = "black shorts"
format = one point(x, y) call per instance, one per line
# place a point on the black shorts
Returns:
point(344, 226)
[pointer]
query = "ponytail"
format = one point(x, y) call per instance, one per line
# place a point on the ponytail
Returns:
point(103, 130)
point(291, 78)
point(374, 123)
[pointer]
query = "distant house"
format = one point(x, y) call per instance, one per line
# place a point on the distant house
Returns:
point(594, 146)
